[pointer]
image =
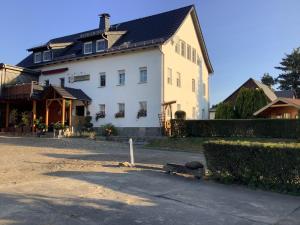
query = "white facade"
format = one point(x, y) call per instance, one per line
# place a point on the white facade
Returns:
point(159, 87)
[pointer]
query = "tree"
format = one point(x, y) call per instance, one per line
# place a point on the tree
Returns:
point(248, 102)
point(289, 79)
point(268, 80)
point(225, 111)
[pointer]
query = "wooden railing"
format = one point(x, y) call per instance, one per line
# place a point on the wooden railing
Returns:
point(20, 91)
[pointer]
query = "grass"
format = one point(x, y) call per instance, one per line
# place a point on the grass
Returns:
point(196, 144)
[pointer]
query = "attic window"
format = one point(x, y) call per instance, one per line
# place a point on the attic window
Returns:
point(37, 57)
point(88, 48)
point(46, 56)
point(100, 45)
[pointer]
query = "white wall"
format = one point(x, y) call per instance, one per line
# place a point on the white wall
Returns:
point(189, 70)
point(130, 94)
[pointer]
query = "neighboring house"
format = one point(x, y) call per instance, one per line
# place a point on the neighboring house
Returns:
point(281, 108)
point(125, 72)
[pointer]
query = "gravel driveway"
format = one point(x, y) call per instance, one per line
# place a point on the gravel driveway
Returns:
point(77, 181)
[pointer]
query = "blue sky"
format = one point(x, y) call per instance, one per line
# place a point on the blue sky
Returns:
point(245, 38)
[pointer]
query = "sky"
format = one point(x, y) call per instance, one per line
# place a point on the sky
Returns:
point(244, 38)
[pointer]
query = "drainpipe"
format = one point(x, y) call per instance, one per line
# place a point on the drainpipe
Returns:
point(163, 75)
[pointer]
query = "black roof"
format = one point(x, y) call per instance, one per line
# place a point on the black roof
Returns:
point(71, 93)
point(285, 94)
point(151, 30)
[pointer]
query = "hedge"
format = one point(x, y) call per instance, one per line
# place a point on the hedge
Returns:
point(259, 128)
point(263, 165)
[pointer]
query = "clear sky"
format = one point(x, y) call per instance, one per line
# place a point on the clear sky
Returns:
point(245, 38)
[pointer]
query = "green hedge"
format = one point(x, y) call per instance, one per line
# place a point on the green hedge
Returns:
point(268, 166)
point(259, 128)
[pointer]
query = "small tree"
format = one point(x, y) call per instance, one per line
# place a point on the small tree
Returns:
point(268, 80)
point(225, 111)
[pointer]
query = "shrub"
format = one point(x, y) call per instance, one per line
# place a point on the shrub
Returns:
point(259, 128)
point(180, 115)
point(264, 165)
point(87, 125)
point(109, 129)
point(225, 111)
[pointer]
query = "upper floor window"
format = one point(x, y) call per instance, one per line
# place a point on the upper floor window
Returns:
point(121, 77)
point(169, 79)
point(88, 48)
point(189, 52)
point(143, 75)
point(47, 56)
point(178, 80)
point(177, 47)
point(194, 55)
point(100, 45)
point(193, 85)
point(37, 57)
point(183, 48)
point(102, 79)
point(198, 60)
point(62, 82)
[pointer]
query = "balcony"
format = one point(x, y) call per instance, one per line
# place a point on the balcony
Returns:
point(21, 91)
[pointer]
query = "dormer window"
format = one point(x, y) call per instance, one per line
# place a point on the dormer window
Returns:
point(88, 48)
point(47, 56)
point(37, 57)
point(100, 45)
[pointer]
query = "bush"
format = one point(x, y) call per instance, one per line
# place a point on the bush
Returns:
point(109, 130)
point(263, 165)
point(225, 111)
point(259, 128)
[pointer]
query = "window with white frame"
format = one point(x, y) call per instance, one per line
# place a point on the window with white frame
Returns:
point(198, 60)
point(183, 48)
point(100, 45)
point(194, 55)
point(194, 113)
point(37, 57)
point(169, 76)
point(102, 108)
point(193, 85)
point(143, 109)
point(143, 75)
point(178, 107)
point(47, 55)
point(88, 48)
point(177, 47)
point(121, 77)
point(178, 79)
point(102, 80)
point(189, 52)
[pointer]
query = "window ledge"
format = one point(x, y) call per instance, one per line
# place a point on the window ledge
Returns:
point(120, 85)
point(142, 82)
point(101, 86)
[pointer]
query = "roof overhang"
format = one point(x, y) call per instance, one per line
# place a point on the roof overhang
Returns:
point(18, 69)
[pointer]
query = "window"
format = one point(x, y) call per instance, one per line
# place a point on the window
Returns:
point(121, 77)
point(62, 82)
point(178, 107)
point(198, 60)
point(183, 48)
point(80, 110)
point(204, 89)
point(169, 78)
point(47, 56)
point(46, 83)
point(177, 47)
point(100, 45)
point(102, 108)
point(189, 52)
point(143, 110)
point(194, 113)
point(37, 57)
point(194, 55)
point(88, 48)
point(121, 112)
point(102, 79)
point(121, 107)
point(143, 75)
point(193, 85)
point(178, 80)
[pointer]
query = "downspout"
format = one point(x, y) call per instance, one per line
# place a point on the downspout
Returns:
point(162, 74)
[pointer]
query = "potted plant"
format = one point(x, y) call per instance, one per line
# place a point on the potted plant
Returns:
point(141, 113)
point(120, 114)
point(109, 130)
point(40, 127)
point(100, 115)
point(25, 121)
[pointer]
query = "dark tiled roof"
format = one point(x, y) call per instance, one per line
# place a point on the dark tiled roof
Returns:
point(158, 27)
point(285, 94)
point(71, 93)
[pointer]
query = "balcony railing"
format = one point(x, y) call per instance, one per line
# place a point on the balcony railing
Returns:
point(21, 91)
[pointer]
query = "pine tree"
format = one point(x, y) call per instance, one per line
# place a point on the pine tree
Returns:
point(268, 80)
point(289, 79)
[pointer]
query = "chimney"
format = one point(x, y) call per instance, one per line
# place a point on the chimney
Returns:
point(104, 21)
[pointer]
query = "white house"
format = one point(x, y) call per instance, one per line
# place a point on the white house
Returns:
point(129, 70)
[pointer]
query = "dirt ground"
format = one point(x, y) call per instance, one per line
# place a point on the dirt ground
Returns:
point(78, 181)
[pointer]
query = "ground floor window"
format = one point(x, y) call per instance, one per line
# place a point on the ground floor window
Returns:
point(80, 110)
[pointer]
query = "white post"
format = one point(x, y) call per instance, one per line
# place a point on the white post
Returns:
point(131, 152)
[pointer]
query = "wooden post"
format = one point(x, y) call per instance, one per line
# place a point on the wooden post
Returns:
point(63, 112)
point(33, 114)
point(7, 115)
point(47, 114)
point(70, 114)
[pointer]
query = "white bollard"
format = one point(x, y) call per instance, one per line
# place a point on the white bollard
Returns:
point(131, 152)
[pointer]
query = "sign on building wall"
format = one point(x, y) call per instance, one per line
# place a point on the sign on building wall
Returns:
point(79, 78)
